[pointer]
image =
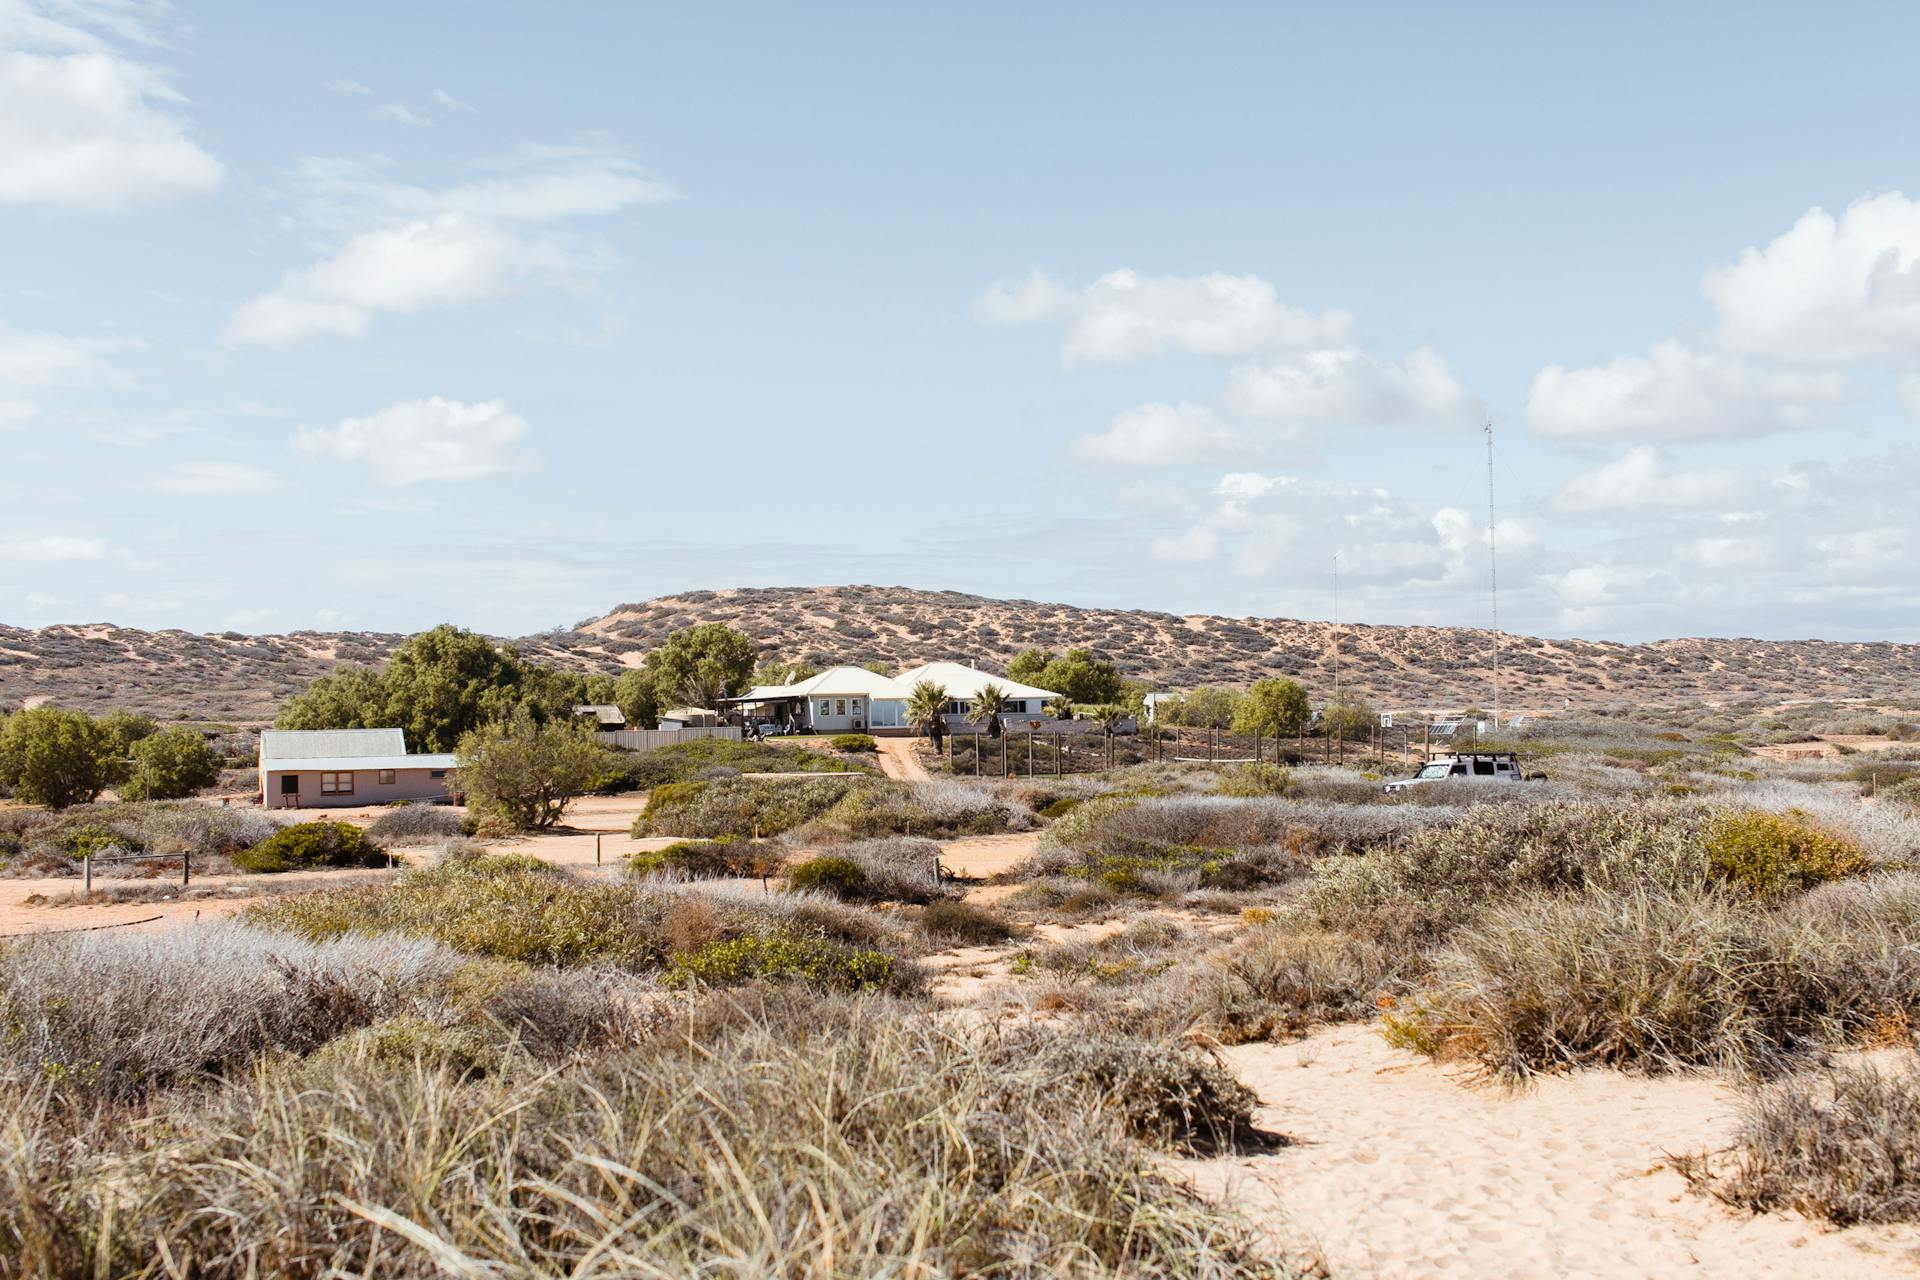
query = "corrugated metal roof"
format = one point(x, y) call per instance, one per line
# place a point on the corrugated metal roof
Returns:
point(304, 744)
point(362, 764)
point(965, 683)
point(850, 682)
point(602, 712)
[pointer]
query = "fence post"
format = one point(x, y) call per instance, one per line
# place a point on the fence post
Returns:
point(186, 869)
point(1029, 751)
point(1056, 753)
point(1256, 746)
point(976, 753)
point(596, 848)
point(87, 864)
point(1210, 732)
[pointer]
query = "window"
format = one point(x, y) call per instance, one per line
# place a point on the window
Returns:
point(336, 784)
point(1483, 768)
point(439, 773)
point(826, 707)
point(289, 784)
point(386, 777)
point(856, 706)
point(840, 706)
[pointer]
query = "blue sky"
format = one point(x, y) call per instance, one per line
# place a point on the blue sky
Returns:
point(375, 316)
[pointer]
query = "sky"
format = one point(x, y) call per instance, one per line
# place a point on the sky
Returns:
point(358, 316)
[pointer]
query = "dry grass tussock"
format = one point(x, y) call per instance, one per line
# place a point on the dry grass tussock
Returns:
point(830, 810)
point(1842, 1145)
point(524, 910)
point(35, 843)
point(755, 1136)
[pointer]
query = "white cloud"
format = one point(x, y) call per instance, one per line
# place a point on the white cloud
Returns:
point(1345, 385)
point(15, 412)
point(1828, 289)
point(411, 249)
point(421, 440)
point(1679, 391)
point(1196, 544)
point(1158, 434)
point(82, 125)
point(353, 87)
point(52, 547)
point(447, 261)
point(215, 478)
point(1641, 477)
point(40, 359)
point(1125, 317)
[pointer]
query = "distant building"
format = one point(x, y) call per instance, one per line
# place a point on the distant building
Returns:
point(606, 717)
point(963, 685)
point(688, 718)
point(344, 768)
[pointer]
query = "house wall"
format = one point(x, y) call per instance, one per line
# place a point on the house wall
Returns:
point(407, 784)
point(854, 714)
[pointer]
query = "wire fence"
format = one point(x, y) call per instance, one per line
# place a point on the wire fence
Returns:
point(1029, 753)
point(184, 859)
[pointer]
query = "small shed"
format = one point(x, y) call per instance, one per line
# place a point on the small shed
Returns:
point(606, 717)
point(346, 768)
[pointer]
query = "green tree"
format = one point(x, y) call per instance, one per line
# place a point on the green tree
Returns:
point(1060, 707)
point(58, 758)
point(170, 764)
point(776, 673)
point(1109, 717)
point(444, 683)
point(1027, 666)
point(1205, 708)
point(703, 664)
point(1348, 715)
point(1275, 708)
point(927, 711)
point(988, 707)
point(638, 697)
point(526, 771)
point(1082, 676)
point(350, 697)
point(126, 728)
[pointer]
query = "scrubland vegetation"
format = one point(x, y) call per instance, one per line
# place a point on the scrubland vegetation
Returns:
point(736, 1053)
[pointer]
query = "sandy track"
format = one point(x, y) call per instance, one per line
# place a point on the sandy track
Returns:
point(1401, 1169)
point(898, 761)
point(979, 857)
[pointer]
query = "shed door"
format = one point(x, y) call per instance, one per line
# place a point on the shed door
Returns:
point(289, 784)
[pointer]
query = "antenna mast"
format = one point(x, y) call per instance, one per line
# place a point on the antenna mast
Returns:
point(1336, 622)
point(1493, 577)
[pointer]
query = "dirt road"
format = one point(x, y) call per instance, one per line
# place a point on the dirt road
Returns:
point(898, 761)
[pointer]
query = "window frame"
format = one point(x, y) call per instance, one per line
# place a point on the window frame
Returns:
point(387, 777)
point(336, 782)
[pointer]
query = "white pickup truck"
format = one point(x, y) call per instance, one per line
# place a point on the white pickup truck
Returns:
point(1474, 766)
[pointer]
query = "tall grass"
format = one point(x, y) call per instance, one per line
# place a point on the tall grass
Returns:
point(837, 1138)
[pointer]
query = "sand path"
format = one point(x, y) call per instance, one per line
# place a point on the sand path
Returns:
point(1403, 1169)
point(979, 857)
point(898, 761)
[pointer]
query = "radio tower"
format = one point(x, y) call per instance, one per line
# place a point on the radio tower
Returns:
point(1493, 577)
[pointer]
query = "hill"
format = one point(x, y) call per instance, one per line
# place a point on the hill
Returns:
point(231, 676)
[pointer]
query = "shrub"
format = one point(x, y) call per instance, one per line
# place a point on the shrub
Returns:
point(1844, 1147)
point(524, 771)
point(819, 962)
point(739, 806)
point(952, 921)
point(929, 1151)
point(853, 742)
point(1410, 895)
point(118, 1013)
point(57, 758)
point(417, 822)
point(840, 877)
point(938, 808)
point(688, 761)
point(1276, 983)
point(897, 869)
point(1257, 779)
point(1774, 854)
point(725, 856)
point(312, 844)
point(170, 764)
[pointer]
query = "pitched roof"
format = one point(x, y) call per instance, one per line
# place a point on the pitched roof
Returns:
point(315, 744)
point(282, 750)
point(602, 712)
point(965, 683)
point(850, 682)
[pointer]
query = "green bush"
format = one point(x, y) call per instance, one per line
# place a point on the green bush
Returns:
point(312, 844)
point(1774, 854)
point(1257, 779)
point(819, 962)
point(169, 765)
point(852, 742)
point(687, 761)
point(725, 856)
point(840, 877)
point(739, 806)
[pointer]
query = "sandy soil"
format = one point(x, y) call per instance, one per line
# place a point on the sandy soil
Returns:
point(1828, 746)
point(1400, 1168)
point(980, 857)
point(898, 760)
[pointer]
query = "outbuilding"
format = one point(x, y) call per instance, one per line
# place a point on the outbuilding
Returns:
point(345, 768)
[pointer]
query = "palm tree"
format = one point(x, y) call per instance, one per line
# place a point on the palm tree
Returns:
point(1110, 718)
point(988, 706)
point(1061, 708)
point(927, 711)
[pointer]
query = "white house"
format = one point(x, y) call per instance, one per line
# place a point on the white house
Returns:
point(963, 685)
point(343, 768)
point(838, 700)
